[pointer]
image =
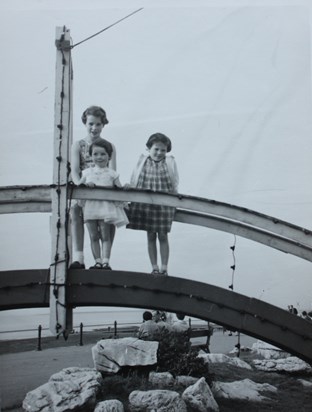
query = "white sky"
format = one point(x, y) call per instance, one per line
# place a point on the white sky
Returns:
point(228, 81)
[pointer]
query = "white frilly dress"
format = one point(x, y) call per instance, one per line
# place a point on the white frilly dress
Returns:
point(109, 211)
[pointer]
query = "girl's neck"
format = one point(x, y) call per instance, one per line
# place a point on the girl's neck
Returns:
point(156, 161)
point(101, 167)
point(91, 139)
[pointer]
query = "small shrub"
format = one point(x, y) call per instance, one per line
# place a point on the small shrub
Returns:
point(121, 385)
point(175, 355)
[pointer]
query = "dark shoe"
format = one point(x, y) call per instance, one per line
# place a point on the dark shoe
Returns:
point(98, 265)
point(164, 273)
point(155, 272)
point(106, 266)
point(77, 265)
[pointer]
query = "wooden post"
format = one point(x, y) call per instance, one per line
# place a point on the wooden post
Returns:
point(60, 313)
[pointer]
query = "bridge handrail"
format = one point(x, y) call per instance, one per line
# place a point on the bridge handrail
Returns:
point(29, 288)
point(21, 199)
point(259, 235)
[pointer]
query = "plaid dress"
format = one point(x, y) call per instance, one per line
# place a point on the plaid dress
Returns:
point(152, 218)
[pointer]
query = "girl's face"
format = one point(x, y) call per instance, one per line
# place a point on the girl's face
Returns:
point(158, 151)
point(94, 127)
point(100, 156)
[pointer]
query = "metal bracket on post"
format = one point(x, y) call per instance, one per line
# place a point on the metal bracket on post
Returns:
point(60, 313)
point(62, 42)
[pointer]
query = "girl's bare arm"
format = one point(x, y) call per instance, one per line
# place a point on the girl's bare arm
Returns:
point(117, 182)
point(113, 159)
point(75, 163)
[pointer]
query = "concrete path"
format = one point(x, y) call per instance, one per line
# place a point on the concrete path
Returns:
point(25, 371)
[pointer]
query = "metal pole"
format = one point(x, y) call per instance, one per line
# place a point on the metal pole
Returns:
point(39, 337)
point(81, 334)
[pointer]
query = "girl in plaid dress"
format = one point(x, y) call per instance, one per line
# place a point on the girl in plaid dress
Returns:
point(156, 172)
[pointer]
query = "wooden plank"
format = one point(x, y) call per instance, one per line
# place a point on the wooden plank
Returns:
point(27, 207)
point(60, 312)
point(202, 205)
point(234, 311)
point(271, 238)
point(252, 233)
point(183, 202)
point(24, 289)
point(203, 301)
point(15, 194)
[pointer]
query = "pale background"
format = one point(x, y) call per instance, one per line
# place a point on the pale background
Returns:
point(228, 81)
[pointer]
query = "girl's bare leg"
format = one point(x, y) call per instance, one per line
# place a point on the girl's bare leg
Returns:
point(164, 250)
point(77, 230)
point(94, 234)
point(152, 249)
point(105, 231)
point(112, 229)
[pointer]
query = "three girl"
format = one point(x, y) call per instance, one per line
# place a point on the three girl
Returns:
point(94, 163)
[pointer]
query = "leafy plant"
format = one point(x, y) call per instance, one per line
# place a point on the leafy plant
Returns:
point(175, 355)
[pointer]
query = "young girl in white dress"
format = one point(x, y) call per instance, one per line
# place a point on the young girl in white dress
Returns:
point(100, 214)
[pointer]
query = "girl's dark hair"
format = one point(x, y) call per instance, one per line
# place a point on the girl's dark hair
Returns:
point(102, 143)
point(159, 138)
point(94, 111)
point(147, 315)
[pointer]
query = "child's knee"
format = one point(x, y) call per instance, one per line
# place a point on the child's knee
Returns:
point(163, 237)
point(76, 214)
point(105, 237)
point(94, 236)
point(151, 236)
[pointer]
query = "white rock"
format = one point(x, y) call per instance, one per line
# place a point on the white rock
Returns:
point(156, 400)
point(290, 364)
point(70, 389)
point(245, 389)
point(161, 379)
point(111, 405)
point(221, 358)
point(109, 355)
point(268, 351)
point(306, 383)
point(199, 397)
point(235, 350)
point(185, 381)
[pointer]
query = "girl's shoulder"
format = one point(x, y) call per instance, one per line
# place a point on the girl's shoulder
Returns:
point(109, 142)
point(82, 143)
point(112, 172)
point(81, 146)
point(78, 143)
point(88, 171)
point(170, 159)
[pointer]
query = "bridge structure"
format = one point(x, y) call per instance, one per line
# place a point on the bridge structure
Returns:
point(63, 289)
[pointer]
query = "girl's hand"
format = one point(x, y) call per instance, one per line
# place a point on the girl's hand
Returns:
point(82, 182)
point(90, 184)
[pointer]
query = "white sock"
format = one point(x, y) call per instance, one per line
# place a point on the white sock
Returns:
point(78, 256)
